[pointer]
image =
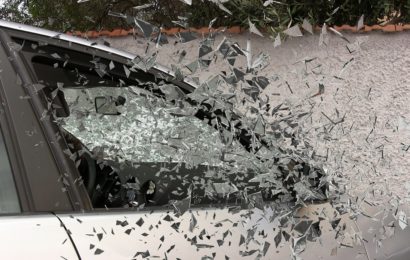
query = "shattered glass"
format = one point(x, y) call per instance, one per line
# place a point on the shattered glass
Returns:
point(147, 130)
point(294, 31)
point(228, 143)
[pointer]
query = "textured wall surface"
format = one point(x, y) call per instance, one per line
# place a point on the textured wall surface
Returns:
point(360, 125)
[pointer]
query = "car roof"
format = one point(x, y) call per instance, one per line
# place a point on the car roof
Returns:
point(64, 37)
point(83, 42)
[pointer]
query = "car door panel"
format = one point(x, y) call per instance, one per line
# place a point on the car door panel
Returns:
point(195, 234)
point(160, 235)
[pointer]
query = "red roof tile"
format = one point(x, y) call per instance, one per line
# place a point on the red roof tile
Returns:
point(233, 30)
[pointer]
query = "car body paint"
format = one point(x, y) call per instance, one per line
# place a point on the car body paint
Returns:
point(125, 242)
point(34, 237)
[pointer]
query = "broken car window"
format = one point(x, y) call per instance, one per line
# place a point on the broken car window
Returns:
point(139, 140)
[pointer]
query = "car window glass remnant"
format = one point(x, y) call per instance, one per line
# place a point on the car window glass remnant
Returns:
point(142, 127)
point(9, 201)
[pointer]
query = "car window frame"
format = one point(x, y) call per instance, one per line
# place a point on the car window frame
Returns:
point(32, 202)
point(29, 70)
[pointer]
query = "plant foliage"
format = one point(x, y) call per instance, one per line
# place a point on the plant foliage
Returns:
point(65, 15)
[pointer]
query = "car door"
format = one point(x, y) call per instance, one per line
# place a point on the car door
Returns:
point(185, 230)
point(132, 232)
point(29, 190)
